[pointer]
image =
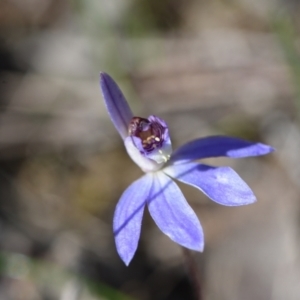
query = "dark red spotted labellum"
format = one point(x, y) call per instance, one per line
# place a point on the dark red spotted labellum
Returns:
point(150, 132)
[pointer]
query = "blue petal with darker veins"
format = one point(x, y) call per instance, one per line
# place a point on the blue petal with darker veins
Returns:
point(173, 215)
point(215, 146)
point(128, 217)
point(221, 184)
point(116, 104)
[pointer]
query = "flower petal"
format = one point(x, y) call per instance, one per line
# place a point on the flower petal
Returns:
point(214, 146)
point(128, 217)
point(172, 213)
point(116, 105)
point(221, 184)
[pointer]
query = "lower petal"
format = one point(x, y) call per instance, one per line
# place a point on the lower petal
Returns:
point(221, 184)
point(172, 213)
point(128, 217)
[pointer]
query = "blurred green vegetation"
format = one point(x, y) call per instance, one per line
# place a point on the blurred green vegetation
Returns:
point(285, 28)
point(52, 276)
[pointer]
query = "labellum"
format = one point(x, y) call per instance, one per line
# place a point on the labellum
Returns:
point(150, 133)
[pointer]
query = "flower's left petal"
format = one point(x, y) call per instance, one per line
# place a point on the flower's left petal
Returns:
point(116, 104)
point(172, 213)
point(128, 217)
point(221, 184)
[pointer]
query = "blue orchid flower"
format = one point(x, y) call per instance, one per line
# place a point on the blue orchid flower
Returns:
point(148, 143)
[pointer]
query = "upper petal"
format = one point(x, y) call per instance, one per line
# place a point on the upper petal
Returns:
point(172, 213)
point(221, 184)
point(128, 217)
point(214, 146)
point(116, 104)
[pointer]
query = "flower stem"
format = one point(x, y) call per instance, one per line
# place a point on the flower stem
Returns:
point(193, 272)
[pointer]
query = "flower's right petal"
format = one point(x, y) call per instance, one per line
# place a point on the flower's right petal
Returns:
point(221, 184)
point(215, 146)
point(116, 104)
point(128, 217)
point(172, 213)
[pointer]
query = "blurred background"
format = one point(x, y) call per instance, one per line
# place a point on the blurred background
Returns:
point(207, 67)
